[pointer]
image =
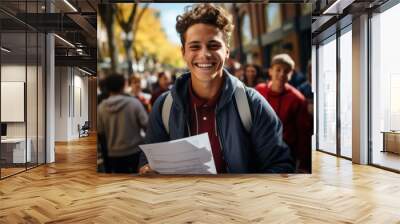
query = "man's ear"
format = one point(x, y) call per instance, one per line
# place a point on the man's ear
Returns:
point(183, 50)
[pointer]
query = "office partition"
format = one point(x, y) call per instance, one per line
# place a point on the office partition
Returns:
point(327, 96)
point(385, 88)
point(345, 55)
point(22, 88)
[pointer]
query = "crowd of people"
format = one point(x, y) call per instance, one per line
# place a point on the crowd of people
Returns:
point(280, 101)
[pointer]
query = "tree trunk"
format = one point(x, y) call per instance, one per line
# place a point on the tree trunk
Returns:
point(128, 50)
point(130, 28)
point(107, 15)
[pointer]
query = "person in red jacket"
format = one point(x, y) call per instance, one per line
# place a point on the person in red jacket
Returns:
point(291, 107)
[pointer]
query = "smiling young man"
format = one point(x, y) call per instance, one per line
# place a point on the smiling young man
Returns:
point(204, 101)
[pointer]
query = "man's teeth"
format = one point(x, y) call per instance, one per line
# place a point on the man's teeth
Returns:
point(204, 65)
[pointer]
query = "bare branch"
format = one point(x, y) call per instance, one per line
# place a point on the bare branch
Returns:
point(120, 17)
point(132, 15)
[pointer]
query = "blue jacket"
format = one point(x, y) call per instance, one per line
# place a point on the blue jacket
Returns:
point(260, 151)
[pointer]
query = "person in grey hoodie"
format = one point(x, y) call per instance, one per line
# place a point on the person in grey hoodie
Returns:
point(120, 119)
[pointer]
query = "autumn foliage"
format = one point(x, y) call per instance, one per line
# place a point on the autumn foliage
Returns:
point(149, 38)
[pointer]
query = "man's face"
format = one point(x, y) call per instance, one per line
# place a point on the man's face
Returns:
point(280, 73)
point(164, 81)
point(251, 72)
point(204, 52)
point(135, 85)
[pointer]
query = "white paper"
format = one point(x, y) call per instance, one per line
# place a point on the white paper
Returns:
point(190, 155)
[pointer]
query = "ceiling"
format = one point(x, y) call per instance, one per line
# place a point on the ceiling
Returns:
point(76, 24)
point(332, 15)
point(79, 27)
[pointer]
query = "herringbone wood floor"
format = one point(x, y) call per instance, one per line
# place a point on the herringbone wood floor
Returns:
point(70, 191)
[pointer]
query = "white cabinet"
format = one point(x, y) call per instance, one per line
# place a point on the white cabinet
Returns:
point(17, 146)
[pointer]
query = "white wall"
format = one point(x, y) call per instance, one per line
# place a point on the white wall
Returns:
point(33, 127)
point(71, 94)
point(61, 103)
point(80, 101)
point(12, 73)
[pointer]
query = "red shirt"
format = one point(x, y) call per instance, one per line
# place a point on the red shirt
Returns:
point(202, 116)
point(291, 108)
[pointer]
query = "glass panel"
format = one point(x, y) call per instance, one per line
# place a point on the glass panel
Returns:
point(22, 63)
point(41, 99)
point(327, 97)
point(385, 86)
point(31, 97)
point(31, 84)
point(346, 94)
point(13, 86)
point(313, 72)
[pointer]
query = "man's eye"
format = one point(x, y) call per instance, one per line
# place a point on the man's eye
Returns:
point(194, 47)
point(214, 46)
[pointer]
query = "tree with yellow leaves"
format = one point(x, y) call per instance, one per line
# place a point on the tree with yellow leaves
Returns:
point(138, 34)
point(129, 28)
point(152, 40)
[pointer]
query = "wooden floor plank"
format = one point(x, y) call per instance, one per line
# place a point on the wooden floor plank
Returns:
point(71, 191)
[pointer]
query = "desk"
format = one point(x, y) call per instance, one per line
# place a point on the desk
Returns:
point(16, 148)
point(391, 141)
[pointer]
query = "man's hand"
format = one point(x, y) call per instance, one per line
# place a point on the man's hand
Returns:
point(146, 169)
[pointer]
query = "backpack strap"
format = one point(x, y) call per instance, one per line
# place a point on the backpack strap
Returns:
point(243, 107)
point(166, 110)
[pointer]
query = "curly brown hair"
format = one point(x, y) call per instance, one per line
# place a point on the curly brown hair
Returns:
point(208, 14)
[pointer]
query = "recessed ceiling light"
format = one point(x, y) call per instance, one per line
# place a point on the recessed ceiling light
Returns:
point(70, 5)
point(64, 40)
point(331, 7)
point(86, 72)
point(5, 50)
